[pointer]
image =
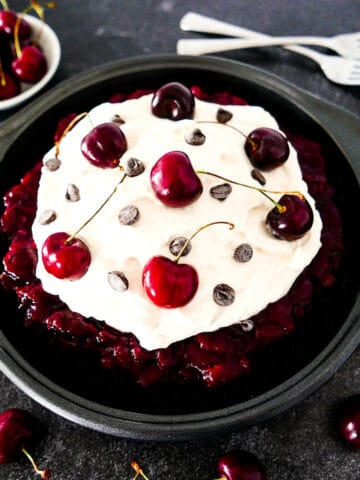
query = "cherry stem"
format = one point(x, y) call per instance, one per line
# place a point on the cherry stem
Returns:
point(2, 75)
point(16, 37)
point(231, 226)
point(4, 4)
point(225, 125)
point(138, 471)
point(45, 474)
point(71, 237)
point(281, 208)
point(67, 129)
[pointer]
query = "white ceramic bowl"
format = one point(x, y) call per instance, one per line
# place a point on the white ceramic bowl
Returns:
point(50, 45)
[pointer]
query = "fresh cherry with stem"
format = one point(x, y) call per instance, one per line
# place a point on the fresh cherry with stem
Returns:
point(240, 465)
point(173, 101)
point(8, 20)
point(265, 147)
point(292, 216)
point(104, 145)
point(16, 431)
point(169, 284)
point(174, 180)
point(67, 257)
point(30, 64)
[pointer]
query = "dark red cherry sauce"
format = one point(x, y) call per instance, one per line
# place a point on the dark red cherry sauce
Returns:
point(210, 358)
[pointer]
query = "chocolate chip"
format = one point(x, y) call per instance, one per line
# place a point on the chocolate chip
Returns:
point(223, 294)
point(246, 325)
point(118, 281)
point(72, 193)
point(128, 215)
point(258, 176)
point(243, 253)
point(223, 116)
point(117, 119)
point(134, 167)
point(195, 137)
point(177, 244)
point(48, 216)
point(52, 164)
point(221, 192)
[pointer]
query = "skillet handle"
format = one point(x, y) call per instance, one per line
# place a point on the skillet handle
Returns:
point(8, 130)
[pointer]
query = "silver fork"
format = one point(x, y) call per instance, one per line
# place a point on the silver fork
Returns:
point(337, 69)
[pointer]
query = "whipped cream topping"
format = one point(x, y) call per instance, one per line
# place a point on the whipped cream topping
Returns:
point(269, 274)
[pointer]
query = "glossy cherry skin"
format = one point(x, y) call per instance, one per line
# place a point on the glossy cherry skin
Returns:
point(266, 148)
point(104, 145)
point(16, 429)
point(169, 284)
point(294, 222)
point(349, 420)
point(9, 86)
point(174, 180)
point(65, 260)
point(241, 465)
point(173, 101)
point(8, 20)
point(31, 66)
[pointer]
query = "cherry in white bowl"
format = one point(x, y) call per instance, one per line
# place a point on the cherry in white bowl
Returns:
point(50, 45)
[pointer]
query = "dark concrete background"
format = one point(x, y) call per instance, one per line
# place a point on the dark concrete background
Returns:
point(301, 444)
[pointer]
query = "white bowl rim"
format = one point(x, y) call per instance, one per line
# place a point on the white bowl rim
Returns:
point(49, 41)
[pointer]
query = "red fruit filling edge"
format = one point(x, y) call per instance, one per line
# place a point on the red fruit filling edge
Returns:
point(211, 358)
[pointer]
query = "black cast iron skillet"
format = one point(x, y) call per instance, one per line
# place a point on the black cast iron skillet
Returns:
point(73, 385)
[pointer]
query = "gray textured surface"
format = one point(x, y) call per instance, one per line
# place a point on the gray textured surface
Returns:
point(301, 444)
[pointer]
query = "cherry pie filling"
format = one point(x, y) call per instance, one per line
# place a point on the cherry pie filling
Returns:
point(211, 358)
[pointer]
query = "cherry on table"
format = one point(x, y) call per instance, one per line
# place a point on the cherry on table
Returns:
point(294, 222)
point(240, 465)
point(174, 180)
point(104, 145)
point(65, 257)
point(266, 148)
point(16, 429)
point(31, 65)
point(173, 101)
point(349, 420)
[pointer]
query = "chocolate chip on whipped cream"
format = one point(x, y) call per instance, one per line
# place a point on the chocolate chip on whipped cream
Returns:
point(118, 281)
point(47, 216)
point(223, 116)
point(221, 192)
point(258, 176)
point(223, 295)
point(117, 119)
point(177, 244)
point(134, 167)
point(195, 137)
point(72, 193)
point(52, 164)
point(129, 215)
point(243, 253)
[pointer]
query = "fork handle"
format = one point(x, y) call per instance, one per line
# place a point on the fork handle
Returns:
point(196, 22)
point(201, 46)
